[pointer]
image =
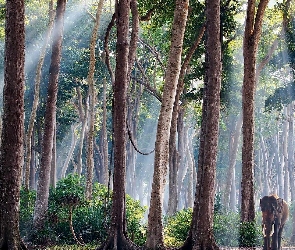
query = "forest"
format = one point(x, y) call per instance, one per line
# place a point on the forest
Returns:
point(143, 124)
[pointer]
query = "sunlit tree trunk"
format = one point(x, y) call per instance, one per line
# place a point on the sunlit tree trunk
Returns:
point(291, 149)
point(285, 156)
point(265, 167)
point(190, 170)
point(182, 162)
point(41, 204)
point(53, 160)
point(83, 114)
point(173, 152)
point(233, 193)
point(250, 46)
point(11, 159)
point(155, 225)
point(92, 101)
point(233, 151)
point(36, 96)
point(201, 230)
point(71, 151)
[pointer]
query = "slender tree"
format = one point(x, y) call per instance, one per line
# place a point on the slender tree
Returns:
point(92, 98)
point(36, 97)
point(251, 38)
point(41, 204)
point(11, 159)
point(173, 153)
point(155, 226)
point(201, 230)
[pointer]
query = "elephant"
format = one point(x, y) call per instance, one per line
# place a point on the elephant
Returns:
point(275, 213)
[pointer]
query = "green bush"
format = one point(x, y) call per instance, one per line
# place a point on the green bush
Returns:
point(249, 234)
point(27, 204)
point(176, 227)
point(91, 219)
point(134, 214)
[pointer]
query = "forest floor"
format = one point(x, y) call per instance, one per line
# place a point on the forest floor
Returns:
point(256, 248)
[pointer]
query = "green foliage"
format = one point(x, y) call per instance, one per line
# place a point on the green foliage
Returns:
point(134, 214)
point(281, 97)
point(91, 219)
point(228, 231)
point(27, 203)
point(249, 234)
point(176, 227)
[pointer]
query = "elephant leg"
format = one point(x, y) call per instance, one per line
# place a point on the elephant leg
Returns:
point(280, 236)
point(266, 245)
point(274, 243)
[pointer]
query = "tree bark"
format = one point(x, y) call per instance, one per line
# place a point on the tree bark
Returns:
point(41, 204)
point(117, 238)
point(155, 226)
point(11, 159)
point(201, 230)
point(250, 46)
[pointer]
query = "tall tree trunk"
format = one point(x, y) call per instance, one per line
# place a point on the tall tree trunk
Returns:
point(41, 204)
point(11, 159)
point(117, 238)
point(155, 226)
point(92, 101)
point(36, 96)
point(201, 230)
point(251, 39)
point(173, 152)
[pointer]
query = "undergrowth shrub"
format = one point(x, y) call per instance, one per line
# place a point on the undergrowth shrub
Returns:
point(249, 234)
point(176, 227)
point(90, 219)
point(226, 229)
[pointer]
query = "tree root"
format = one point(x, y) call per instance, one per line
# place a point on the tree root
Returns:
point(117, 241)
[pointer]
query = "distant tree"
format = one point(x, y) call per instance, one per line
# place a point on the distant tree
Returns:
point(41, 204)
point(251, 38)
point(201, 229)
point(155, 225)
point(12, 137)
point(92, 97)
